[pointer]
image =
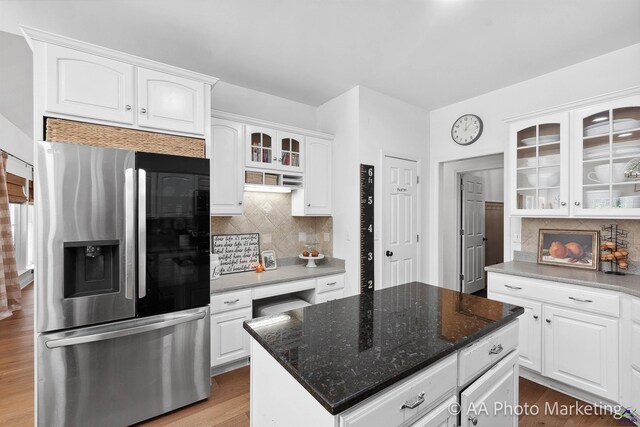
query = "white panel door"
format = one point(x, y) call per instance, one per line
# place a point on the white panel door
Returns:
point(90, 86)
point(317, 177)
point(499, 386)
point(581, 350)
point(227, 166)
point(472, 233)
point(530, 331)
point(229, 340)
point(170, 102)
point(400, 221)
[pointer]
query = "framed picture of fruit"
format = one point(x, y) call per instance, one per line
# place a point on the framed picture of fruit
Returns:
point(569, 248)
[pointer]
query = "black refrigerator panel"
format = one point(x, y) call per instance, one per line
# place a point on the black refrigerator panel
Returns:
point(173, 242)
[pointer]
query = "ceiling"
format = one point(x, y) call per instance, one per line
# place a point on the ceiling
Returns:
point(430, 53)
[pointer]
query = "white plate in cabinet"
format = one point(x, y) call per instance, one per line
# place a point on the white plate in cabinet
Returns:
point(406, 401)
point(85, 85)
point(169, 102)
point(581, 350)
point(486, 352)
point(229, 340)
point(529, 331)
point(498, 386)
point(440, 416)
point(230, 301)
point(316, 197)
point(227, 166)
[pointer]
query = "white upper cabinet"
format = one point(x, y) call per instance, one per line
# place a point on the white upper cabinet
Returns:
point(540, 156)
point(607, 137)
point(85, 85)
point(170, 102)
point(290, 151)
point(227, 167)
point(261, 149)
point(315, 198)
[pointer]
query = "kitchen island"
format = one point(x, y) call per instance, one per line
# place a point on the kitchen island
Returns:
point(408, 355)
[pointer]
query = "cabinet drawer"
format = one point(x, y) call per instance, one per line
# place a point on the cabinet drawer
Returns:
point(329, 296)
point(330, 283)
point(486, 352)
point(230, 301)
point(386, 408)
point(573, 296)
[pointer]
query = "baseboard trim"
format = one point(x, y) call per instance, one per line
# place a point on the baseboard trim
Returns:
point(566, 389)
point(25, 278)
point(221, 369)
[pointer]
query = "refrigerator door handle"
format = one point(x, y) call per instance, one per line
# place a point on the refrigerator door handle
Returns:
point(64, 342)
point(129, 232)
point(142, 233)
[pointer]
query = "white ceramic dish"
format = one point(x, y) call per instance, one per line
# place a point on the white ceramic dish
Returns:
point(626, 148)
point(544, 139)
point(618, 125)
point(546, 178)
point(630, 202)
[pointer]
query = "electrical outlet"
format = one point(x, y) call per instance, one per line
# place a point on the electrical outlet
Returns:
point(517, 238)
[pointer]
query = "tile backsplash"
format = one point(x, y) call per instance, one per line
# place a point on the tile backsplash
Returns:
point(270, 215)
point(530, 227)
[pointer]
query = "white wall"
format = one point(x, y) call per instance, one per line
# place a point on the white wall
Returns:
point(248, 102)
point(14, 141)
point(366, 124)
point(493, 184)
point(614, 71)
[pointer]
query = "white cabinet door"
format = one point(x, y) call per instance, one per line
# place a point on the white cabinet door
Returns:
point(229, 340)
point(440, 416)
point(81, 84)
point(170, 102)
point(539, 166)
point(318, 177)
point(530, 331)
point(499, 386)
point(581, 350)
point(632, 349)
point(329, 296)
point(227, 165)
point(261, 148)
point(290, 152)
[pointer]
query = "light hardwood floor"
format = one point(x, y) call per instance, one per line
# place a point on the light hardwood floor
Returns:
point(229, 404)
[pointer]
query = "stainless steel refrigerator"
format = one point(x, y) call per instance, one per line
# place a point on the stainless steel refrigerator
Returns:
point(122, 284)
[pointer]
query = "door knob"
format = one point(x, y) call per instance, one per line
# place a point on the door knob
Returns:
point(535, 316)
point(484, 239)
point(388, 253)
point(143, 110)
point(127, 107)
point(548, 320)
point(563, 203)
point(577, 203)
point(473, 420)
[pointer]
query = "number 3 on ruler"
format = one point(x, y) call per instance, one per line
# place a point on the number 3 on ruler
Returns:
point(369, 256)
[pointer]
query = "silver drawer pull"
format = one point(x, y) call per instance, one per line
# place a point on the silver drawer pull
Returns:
point(512, 287)
point(580, 300)
point(414, 404)
point(331, 283)
point(232, 302)
point(496, 349)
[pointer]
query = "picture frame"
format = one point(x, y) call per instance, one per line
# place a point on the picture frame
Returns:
point(269, 261)
point(569, 248)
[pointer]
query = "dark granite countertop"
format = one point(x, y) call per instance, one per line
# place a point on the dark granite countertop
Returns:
point(346, 350)
point(629, 283)
point(284, 273)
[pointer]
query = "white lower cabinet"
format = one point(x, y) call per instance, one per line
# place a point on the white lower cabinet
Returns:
point(487, 402)
point(581, 349)
point(229, 340)
point(441, 416)
point(633, 370)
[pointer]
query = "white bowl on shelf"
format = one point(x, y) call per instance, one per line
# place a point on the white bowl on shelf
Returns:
point(545, 178)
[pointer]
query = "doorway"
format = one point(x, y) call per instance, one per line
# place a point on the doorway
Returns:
point(400, 207)
point(481, 202)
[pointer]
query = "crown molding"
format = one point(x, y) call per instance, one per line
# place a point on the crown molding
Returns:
point(218, 114)
point(32, 34)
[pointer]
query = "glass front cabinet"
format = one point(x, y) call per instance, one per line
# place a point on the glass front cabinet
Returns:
point(573, 163)
point(606, 139)
point(270, 149)
point(540, 154)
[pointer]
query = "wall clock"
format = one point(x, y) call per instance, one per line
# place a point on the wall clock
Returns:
point(467, 129)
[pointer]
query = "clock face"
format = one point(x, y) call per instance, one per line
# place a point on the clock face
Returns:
point(467, 129)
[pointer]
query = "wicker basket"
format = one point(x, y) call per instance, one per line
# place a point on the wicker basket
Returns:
point(251, 177)
point(59, 130)
point(270, 179)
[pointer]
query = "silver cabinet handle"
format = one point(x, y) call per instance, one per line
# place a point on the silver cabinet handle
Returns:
point(331, 283)
point(143, 110)
point(127, 107)
point(419, 400)
point(496, 349)
point(576, 203)
point(63, 342)
point(239, 203)
point(563, 203)
point(535, 316)
point(473, 420)
point(548, 320)
point(232, 302)
point(129, 232)
point(512, 287)
point(580, 300)
point(308, 205)
point(142, 233)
